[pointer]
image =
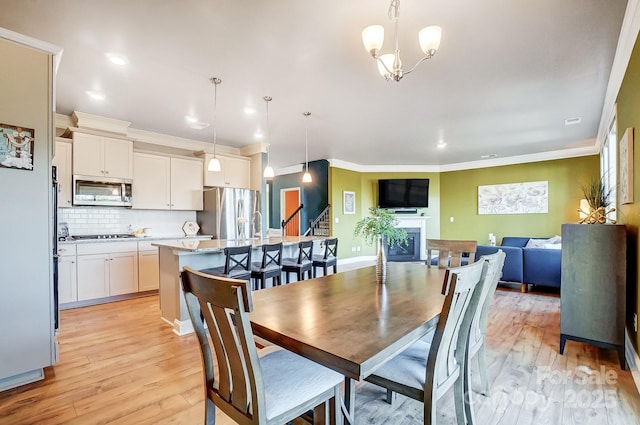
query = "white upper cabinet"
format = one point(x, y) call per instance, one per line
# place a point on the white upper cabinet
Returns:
point(167, 183)
point(235, 172)
point(62, 161)
point(101, 156)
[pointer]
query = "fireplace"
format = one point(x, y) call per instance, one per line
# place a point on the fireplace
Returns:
point(409, 251)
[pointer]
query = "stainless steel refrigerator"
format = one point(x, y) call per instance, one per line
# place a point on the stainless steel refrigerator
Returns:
point(27, 206)
point(231, 213)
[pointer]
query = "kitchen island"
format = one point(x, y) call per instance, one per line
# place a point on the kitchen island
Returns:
point(202, 254)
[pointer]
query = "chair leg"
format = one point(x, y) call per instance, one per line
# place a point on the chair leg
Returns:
point(523, 288)
point(287, 276)
point(335, 268)
point(430, 401)
point(314, 272)
point(460, 399)
point(324, 269)
point(482, 366)
point(209, 411)
point(391, 396)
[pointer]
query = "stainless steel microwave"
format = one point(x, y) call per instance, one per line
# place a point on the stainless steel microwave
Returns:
point(101, 191)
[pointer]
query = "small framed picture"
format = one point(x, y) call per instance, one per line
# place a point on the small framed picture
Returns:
point(16, 147)
point(626, 167)
point(348, 202)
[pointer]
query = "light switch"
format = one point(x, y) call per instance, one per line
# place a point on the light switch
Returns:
point(337, 220)
point(451, 219)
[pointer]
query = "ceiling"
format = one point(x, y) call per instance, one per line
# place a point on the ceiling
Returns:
point(506, 76)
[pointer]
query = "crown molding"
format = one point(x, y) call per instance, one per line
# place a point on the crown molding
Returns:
point(485, 163)
point(626, 41)
point(95, 122)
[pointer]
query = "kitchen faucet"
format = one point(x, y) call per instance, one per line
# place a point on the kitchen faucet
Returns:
point(257, 225)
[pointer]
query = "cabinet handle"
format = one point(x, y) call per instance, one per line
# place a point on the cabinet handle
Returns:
point(62, 249)
point(73, 262)
point(106, 172)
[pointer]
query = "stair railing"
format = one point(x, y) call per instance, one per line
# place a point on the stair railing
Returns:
point(291, 224)
point(319, 226)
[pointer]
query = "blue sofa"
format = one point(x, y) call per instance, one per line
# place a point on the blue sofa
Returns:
point(527, 266)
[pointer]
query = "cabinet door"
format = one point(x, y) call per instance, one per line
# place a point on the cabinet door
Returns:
point(148, 271)
point(88, 155)
point(123, 273)
point(151, 182)
point(186, 184)
point(237, 172)
point(62, 161)
point(118, 158)
point(93, 276)
point(67, 282)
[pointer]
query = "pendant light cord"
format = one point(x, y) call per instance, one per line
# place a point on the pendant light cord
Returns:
point(215, 81)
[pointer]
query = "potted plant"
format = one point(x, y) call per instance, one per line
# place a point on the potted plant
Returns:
point(380, 227)
point(598, 196)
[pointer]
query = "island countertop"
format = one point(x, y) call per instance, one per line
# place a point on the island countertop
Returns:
point(218, 245)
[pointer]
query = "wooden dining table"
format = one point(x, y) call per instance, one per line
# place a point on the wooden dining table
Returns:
point(347, 321)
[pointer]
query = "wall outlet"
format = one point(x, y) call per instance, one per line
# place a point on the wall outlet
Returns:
point(635, 322)
point(358, 248)
point(353, 249)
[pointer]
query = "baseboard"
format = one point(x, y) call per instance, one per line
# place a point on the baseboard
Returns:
point(632, 360)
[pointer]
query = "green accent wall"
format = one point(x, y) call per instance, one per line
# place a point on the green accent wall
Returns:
point(459, 199)
point(628, 116)
point(365, 186)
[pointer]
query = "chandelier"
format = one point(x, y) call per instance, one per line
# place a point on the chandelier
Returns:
point(390, 65)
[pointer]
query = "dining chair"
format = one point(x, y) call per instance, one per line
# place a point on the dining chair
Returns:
point(268, 386)
point(300, 264)
point(478, 332)
point(237, 264)
point(451, 252)
point(269, 268)
point(426, 371)
point(329, 258)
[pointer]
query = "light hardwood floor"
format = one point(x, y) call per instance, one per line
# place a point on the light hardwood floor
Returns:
point(120, 364)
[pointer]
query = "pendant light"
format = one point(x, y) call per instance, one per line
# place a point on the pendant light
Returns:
point(268, 170)
point(306, 178)
point(214, 163)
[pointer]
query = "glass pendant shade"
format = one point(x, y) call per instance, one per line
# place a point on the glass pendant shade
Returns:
point(373, 37)
point(388, 60)
point(306, 177)
point(429, 39)
point(268, 172)
point(214, 164)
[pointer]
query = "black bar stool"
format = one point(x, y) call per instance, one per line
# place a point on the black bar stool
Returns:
point(329, 258)
point(301, 264)
point(270, 267)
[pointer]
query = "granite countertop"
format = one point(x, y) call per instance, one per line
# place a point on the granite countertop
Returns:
point(136, 239)
point(217, 245)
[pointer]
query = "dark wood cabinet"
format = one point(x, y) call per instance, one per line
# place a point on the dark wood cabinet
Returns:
point(593, 286)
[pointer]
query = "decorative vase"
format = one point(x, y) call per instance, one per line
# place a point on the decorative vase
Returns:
point(381, 262)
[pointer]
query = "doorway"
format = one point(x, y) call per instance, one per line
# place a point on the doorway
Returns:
point(290, 201)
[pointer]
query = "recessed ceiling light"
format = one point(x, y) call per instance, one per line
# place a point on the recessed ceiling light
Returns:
point(488, 156)
point(191, 118)
point(573, 121)
point(118, 60)
point(249, 110)
point(258, 134)
point(95, 95)
point(441, 145)
point(199, 125)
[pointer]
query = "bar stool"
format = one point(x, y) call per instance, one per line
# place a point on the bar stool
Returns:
point(269, 267)
point(237, 264)
point(301, 264)
point(329, 258)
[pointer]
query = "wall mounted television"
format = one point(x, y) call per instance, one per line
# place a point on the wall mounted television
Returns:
point(403, 193)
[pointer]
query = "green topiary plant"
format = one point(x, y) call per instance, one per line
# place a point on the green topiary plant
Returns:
point(381, 223)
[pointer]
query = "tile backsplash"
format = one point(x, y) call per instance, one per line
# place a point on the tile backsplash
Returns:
point(96, 220)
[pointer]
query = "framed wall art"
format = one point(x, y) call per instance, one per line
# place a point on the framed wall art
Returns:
point(16, 147)
point(348, 202)
point(626, 167)
point(514, 198)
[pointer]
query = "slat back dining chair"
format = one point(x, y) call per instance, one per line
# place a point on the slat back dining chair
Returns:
point(271, 386)
point(329, 258)
point(301, 264)
point(269, 268)
point(237, 264)
point(450, 252)
point(426, 371)
point(478, 333)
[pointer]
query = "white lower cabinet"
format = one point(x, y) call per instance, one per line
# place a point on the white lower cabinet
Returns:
point(107, 269)
point(67, 277)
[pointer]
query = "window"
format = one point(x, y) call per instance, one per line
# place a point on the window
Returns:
point(608, 165)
